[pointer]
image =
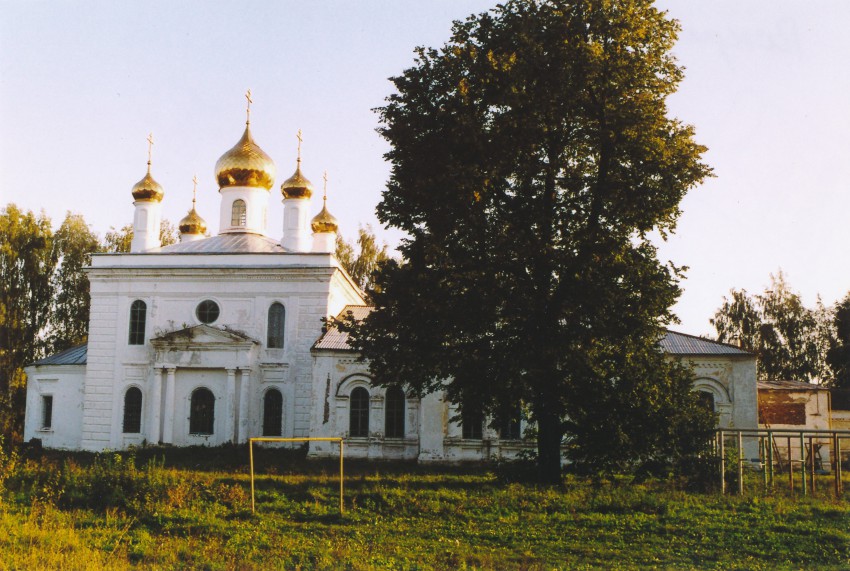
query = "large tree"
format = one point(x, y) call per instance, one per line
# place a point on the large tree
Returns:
point(27, 262)
point(790, 340)
point(362, 262)
point(532, 155)
point(73, 245)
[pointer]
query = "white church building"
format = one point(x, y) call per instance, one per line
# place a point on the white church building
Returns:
point(219, 338)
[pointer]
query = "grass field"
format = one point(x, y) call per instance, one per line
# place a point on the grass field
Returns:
point(171, 509)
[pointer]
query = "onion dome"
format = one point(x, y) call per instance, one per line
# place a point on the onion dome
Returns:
point(192, 223)
point(246, 164)
point(297, 186)
point(324, 221)
point(148, 189)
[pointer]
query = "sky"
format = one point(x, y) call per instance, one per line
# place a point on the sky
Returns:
point(83, 83)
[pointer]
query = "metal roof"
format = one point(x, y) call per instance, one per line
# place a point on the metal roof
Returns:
point(785, 385)
point(241, 243)
point(73, 356)
point(333, 338)
point(676, 343)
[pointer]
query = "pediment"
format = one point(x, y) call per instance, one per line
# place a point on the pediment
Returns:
point(202, 335)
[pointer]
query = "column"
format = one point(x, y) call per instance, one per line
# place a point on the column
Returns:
point(168, 425)
point(155, 399)
point(243, 405)
point(230, 406)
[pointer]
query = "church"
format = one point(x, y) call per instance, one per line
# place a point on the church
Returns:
point(219, 338)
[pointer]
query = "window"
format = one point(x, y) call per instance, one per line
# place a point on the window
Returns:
point(394, 413)
point(473, 425)
point(272, 413)
point(201, 412)
point(277, 319)
point(358, 426)
point(138, 315)
point(238, 215)
point(706, 400)
point(133, 411)
point(511, 427)
point(207, 311)
point(46, 412)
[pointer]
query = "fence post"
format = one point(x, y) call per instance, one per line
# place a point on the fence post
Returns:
point(803, 462)
point(770, 455)
point(722, 463)
point(790, 468)
point(740, 463)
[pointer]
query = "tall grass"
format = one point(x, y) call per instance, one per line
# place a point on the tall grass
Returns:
point(174, 509)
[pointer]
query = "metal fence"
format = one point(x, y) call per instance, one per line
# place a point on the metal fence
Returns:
point(782, 453)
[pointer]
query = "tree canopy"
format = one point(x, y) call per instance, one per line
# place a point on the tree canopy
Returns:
point(791, 341)
point(44, 294)
point(362, 262)
point(531, 157)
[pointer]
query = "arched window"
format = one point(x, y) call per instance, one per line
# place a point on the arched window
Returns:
point(706, 400)
point(473, 425)
point(277, 319)
point(272, 413)
point(132, 411)
point(358, 425)
point(394, 413)
point(201, 412)
point(511, 427)
point(238, 214)
point(138, 315)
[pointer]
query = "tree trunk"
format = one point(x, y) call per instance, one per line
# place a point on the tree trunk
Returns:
point(549, 435)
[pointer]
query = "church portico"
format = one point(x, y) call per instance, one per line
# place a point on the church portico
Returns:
point(208, 359)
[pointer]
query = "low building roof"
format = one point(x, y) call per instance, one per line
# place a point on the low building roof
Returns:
point(676, 343)
point(673, 342)
point(335, 340)
point(788, 385)
point(73, 356)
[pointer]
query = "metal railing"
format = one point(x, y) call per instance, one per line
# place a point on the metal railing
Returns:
point(772, 460)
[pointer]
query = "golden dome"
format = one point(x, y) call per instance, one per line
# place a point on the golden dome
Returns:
point(148, 189)
point(324, 221)
point(192, 223)
point(297, 186)
point(246, 164)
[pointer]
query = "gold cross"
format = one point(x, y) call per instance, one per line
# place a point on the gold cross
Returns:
point(150, 150)
point(194, 189)
point(248, 97)
point(325, 177)
point(298, 136)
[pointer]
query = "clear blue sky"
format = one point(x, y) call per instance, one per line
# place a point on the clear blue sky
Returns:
point(82, 84)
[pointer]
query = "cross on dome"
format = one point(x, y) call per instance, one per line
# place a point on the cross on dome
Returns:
point(248, 109)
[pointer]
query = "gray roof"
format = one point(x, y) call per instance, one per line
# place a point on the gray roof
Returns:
point(73, 356)
point(783, 385)
point(240, 243)
point(333, 338)
point(672, 343)
point(675, 343)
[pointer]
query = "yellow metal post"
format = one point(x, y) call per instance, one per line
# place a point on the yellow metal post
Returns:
point(341, 504)
point(251, 460)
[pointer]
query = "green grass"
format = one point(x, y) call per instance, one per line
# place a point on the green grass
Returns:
point(191, 509)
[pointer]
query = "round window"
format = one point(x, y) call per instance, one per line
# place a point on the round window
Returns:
point(207, 311)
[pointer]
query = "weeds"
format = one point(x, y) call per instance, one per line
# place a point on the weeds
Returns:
point(153, 508)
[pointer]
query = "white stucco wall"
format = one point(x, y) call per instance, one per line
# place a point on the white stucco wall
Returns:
point(65, 384)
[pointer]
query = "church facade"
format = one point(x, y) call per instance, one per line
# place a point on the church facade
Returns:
point(220, 338)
